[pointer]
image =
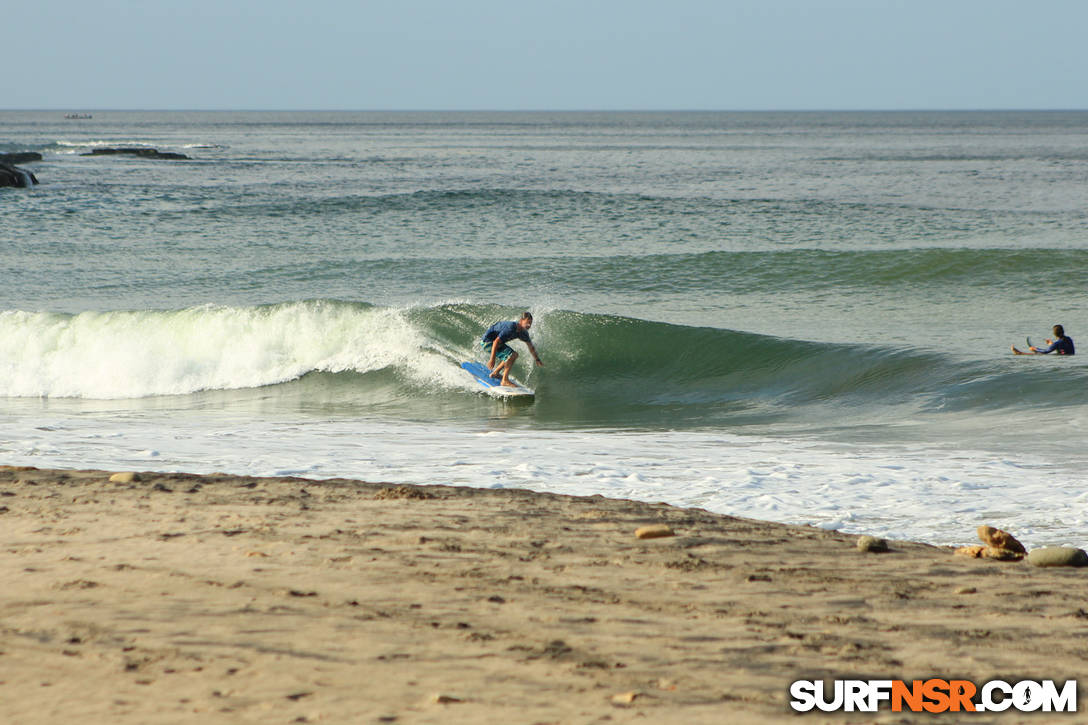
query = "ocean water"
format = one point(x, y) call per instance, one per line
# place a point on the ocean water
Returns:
point(801, 317)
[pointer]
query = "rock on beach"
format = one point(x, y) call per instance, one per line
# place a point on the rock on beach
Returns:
point(996, 544)
point(1058, 556)
point(872, 544)
point(999, 539)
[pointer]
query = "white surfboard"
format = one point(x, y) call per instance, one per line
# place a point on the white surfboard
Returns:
point(494, 386)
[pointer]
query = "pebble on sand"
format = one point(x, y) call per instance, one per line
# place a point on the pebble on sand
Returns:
point(124, 477)
point(656, 531)
point(441, 699)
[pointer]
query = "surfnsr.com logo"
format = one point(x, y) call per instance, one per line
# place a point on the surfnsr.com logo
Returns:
point(933, 695)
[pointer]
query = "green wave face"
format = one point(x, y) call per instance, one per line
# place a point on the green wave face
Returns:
point(600, 370)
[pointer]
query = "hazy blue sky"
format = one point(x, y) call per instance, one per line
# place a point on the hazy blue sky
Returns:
point(557, 54)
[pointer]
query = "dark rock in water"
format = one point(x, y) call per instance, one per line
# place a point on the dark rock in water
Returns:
point(14, 176)
point(145, 153)
point(20, 157)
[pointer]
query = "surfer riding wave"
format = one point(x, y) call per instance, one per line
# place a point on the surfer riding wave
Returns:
point(502, 356)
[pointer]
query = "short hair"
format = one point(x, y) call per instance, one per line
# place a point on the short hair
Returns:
point(526, 315)
point(1059, 330)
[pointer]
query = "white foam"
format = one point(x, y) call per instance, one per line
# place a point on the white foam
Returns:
point(112, 355)
point(924, 493)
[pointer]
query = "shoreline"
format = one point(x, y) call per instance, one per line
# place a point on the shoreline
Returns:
point(176, 597)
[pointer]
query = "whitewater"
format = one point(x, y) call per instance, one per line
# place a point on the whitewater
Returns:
point(795, 317)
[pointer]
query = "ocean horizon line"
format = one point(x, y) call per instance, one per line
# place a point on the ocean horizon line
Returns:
point(94, 109)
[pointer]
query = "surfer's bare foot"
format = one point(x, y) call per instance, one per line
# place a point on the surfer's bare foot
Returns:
point(509, 384)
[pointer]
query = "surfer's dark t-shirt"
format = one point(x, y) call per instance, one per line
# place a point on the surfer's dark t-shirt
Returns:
point(506, 331)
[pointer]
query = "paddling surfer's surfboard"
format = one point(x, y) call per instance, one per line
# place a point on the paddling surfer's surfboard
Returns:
point(492, 385)
point(1024, 352)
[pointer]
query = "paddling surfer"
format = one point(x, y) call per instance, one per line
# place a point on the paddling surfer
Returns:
point(1061, 344)
point(502, 356)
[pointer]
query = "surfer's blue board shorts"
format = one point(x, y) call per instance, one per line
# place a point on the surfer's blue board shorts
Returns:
point(503, 352)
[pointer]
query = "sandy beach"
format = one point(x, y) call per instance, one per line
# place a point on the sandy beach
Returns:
point(224, 599)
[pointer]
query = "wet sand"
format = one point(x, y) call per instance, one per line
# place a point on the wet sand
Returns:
point(224, 599)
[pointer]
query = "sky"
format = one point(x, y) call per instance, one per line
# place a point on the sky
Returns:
point(554, 55)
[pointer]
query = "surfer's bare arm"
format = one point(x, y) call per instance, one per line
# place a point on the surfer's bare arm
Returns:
point(535, 356)
point(494, 351)
point(1032, 350)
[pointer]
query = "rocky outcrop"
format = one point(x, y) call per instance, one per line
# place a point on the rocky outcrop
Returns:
point(11, 175)
point(145, 153)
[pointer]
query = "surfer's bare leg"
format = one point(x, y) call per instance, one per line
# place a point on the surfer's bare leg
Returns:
point(505, 367)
